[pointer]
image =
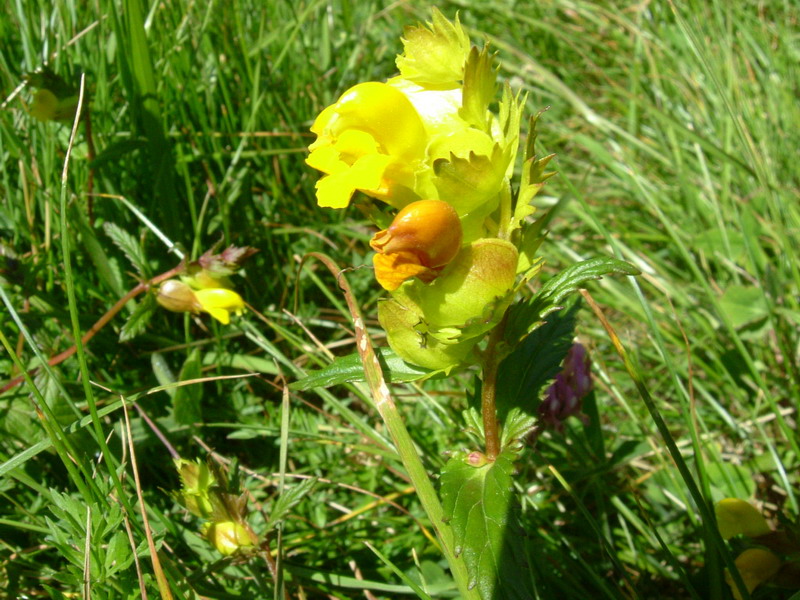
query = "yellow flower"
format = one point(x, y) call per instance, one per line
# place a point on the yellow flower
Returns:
point(755, 566)
point(54, 99)
point(736, 517)
point(177, 296)
point(371, 140)
point(44, 106)
point(422, 239)
point(220, 303)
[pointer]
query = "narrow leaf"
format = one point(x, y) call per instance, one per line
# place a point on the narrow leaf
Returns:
point(479, 88)
point(138, 321)
point(186, 401)
point(348, 369)
point(534, 363)
point(290, 497)
point(525, 317)
point(106, 270)
point(129, 245)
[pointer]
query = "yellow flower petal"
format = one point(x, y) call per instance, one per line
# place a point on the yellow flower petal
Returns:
point(323, 119)
point(45, 105)
point(353, 144)
point(219, 303)
point(385, 113)
point(327, 160)
point(366, 175)
point(755, 566)
point(736, 517)
point(391, 270)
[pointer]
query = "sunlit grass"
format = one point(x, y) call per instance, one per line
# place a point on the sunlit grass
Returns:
point(676, 134)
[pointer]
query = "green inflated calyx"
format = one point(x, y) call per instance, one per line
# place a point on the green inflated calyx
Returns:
point(437, 325)
point(197, 481)
point(434, 55)
point(408, 336)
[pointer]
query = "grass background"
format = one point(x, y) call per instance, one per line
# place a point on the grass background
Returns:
point(676, 134)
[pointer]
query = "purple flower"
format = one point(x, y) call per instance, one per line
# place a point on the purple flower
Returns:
point(564, 397)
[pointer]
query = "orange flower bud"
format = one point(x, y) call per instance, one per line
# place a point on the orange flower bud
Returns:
point(422, 239)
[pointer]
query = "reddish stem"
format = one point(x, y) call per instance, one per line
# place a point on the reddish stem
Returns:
point(101, 322)
point(491, 364)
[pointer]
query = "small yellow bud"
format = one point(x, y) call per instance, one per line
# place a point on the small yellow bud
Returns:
point(197, 481)
point(176, 296)
point(229, 536)
point(423, 238)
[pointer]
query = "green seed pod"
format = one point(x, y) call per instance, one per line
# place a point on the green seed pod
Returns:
point(436, 325)
point(405, 330)
point(482, 272)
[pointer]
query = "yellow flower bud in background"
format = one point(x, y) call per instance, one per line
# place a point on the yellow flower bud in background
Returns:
point(756, 566)
point(203, 279)
point(176, 296)
point(44, 106)
point(229, 536)
point(422, 239)
point(197, 481)
point(736, 517)
point(54, 99)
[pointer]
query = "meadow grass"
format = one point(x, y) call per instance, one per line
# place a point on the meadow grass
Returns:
point(675, 128)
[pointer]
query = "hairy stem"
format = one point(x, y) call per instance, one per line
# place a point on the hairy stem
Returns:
point(402, 439)
point(491, 363)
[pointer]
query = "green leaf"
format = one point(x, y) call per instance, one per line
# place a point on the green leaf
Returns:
point(510, 117)
point(129, 245)
point(516, 425)
point(290, 497)
point(534, 363)
point(471, 181)
point(480, 507)
point(163, 373)
point(527, 316)
point(348, 369)
point(116, 151)
point(106, 268)
point(138, 321)
point(743, 305)
point(186, 401)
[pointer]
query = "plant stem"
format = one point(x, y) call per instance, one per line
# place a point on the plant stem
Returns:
point(90, 155)
point(491, 363)
point(101, 322)
point(402, 440)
